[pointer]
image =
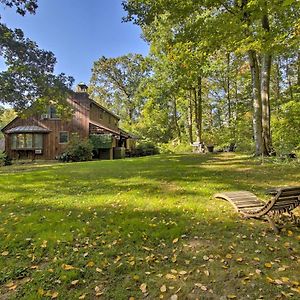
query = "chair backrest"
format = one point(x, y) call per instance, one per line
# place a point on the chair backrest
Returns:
point(287, 198)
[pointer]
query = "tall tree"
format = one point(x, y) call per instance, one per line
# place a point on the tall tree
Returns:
point(255, 28)
point(116, 83)
point(29, 74)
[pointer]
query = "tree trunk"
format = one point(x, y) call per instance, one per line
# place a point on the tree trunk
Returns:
point(298, 70)
point(265, 99)
point(176, 119)
point(277, 84)
point(257, 109)
point(228, 89)
point(289, 80)
point(190, 118)
point(198, 109)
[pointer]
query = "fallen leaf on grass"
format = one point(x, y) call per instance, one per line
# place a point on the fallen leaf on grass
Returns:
point(74, 282)
point(4, 253)
point(54, 295)
point(90, 264)
point(67, 267)
point(268, 265)
point(98, 291)
point(182, 272)
point(163, 288)
point(143, 288)
point(231, 296)
point(201, 286)
point(175, 241)
point(174, 297)
point(170, 276)
point(82, 296)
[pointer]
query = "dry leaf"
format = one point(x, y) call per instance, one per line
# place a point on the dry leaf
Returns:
point(74, 282)
point(67, 267)
point(163, 288)
point(175, 241)
point(143, 288)
point(183, 272)
point(174, 297)
point(82, 296)
point(54, 295)
point(268, 265)
point(170, 276)
point(4, 253)
point(231, 296)
point(90, 264)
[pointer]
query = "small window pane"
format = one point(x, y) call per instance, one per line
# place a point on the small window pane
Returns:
point(38, 141)
point(63, 137)
point(28, 141)
point(52, 112)
point(20, 141)
point(14, 141)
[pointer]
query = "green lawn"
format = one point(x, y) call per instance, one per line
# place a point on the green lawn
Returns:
point(143, 228)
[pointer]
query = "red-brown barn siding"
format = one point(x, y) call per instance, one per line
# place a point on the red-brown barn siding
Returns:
point(89, 117)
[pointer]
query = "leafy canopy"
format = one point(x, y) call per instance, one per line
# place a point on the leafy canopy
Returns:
point(29, 74)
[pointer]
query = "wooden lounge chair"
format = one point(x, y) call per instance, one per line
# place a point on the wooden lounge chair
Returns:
point(284, 200)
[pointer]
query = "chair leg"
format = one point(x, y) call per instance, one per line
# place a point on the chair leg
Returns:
point(272, 224)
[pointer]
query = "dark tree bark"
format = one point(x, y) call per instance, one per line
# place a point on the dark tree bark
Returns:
point(190, 117)
point(176, 119)
point(257, 108)
point(265, 98)
point(228, 90)
point(198, 109)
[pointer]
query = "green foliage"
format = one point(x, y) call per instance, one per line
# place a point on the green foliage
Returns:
point(22, 6)
point(78, 150)
point(101, 141)
point(5, 160)
point(6, 115)
point(146, 148)
point(29, 74)
point(286, 128)
point(116, 83)
point(173, 147)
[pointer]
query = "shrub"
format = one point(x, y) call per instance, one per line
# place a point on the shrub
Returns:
point(175, 148)
point(144, 148)
point(5, 160)
point(78, 150)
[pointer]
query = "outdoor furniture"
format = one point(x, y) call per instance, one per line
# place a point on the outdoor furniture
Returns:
point(284, 200)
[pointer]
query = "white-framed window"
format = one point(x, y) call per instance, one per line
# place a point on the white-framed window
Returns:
point(63, 137)
point(23, 141)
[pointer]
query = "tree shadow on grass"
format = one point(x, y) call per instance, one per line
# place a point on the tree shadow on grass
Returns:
point(122, 245)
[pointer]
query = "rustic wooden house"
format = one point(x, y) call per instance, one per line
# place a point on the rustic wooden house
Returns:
point(46, 136)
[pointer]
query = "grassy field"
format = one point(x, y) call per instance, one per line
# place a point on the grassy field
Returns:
point(143, 228)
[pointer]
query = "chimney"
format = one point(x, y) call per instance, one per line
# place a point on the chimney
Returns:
point(81, 88)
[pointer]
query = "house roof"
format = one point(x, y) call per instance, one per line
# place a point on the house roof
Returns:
point(25, 129)
point(78, 95)
point(104, 127)
point(128, 134)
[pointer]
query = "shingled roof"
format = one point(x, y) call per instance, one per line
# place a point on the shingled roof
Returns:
point(28, 129)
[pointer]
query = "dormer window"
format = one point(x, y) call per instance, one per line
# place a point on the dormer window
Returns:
point(52, 113)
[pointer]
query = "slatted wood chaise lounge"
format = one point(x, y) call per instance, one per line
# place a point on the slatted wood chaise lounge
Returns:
point(284, 200)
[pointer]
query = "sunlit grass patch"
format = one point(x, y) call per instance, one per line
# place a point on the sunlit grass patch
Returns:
point(146, 227)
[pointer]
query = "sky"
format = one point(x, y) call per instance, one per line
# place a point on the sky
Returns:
point(78, 33)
